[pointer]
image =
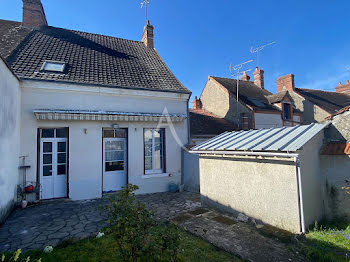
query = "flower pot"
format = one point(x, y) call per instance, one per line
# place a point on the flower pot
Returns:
point(24, 204)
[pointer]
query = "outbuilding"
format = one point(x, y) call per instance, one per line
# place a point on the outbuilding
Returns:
point(272, 175)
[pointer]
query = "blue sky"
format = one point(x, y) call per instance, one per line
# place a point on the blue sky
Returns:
point(201, 38)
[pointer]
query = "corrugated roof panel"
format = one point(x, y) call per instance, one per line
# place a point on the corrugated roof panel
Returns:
point(286, 139)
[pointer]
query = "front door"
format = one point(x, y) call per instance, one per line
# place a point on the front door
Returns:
point(114, 164)
point(53, 167)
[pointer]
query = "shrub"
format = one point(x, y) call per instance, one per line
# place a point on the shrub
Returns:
point(138, 236)
point(16, 257)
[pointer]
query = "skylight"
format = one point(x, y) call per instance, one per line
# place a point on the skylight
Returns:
point(256, 102)
point(54, 66)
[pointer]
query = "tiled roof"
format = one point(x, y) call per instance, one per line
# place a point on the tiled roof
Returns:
point(341, 111)
point(278, 97)
point(336, 149)
point(331, 102)
point(203, 123)
point(91, 59)
point(249, 93)
point(11, 35)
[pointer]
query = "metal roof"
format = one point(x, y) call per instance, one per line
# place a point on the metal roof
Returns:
point(285, 139)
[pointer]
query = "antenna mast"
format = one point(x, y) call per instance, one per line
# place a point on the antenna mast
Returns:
point(145, 3)
point(258, 49)
point(236, 71)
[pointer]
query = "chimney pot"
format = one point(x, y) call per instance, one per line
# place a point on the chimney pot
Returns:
point(347, 82)
point(285, 82)
point(245, 77)
point(33, 14)
point(345, 89)
point(259, 77)
point(196, 104)
point(339, 84)
point(147, 36)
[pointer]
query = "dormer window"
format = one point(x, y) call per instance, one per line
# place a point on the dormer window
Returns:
point(53, 66)
point(287, 111)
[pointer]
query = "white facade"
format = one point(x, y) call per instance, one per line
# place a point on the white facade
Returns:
point(266, 120)
point(9, 138)
point(85, 137)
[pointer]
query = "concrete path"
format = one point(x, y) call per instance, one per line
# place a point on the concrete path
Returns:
point(51, 222)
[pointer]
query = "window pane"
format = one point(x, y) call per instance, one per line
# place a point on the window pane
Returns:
point(120, 133)
point(157, 158)
point(61, 158)
point(148, 163)
point(114, 155)
point(148, 135)
point(148, 149)
point(114, 145)
point(47, 159)
point(61, 147)
point(108, 133)
point(47, 147)
point(47, 170)
point(61, 169)
point(47, 132)
point(114, 166)
point(62, 132)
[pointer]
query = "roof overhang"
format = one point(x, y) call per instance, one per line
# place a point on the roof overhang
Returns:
point(89, 115)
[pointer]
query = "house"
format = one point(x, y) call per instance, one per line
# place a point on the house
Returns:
point(205, 125)
point(273, 175)
point(96, 112)
point(315, 105)
point(10, 99)
point(335, 165)
point(256, 107)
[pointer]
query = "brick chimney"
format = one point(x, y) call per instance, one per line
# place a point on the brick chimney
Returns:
point(33, 14)
point(245, 77)
point(147, 36)
point(196, 103)
point(343, 88)
point(285, 82)
point(259, 77)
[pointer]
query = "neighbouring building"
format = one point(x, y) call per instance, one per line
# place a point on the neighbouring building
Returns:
point(90, 112)
point(335, 165)
point(10, 100)
point(256, 107)
point(273, 175)
point(315, 105)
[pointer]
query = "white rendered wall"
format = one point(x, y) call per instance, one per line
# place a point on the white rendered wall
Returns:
point(267, 120)
point(9, 138)
point(85, 150)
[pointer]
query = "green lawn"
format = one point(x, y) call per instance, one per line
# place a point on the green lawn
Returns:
point(328, 242)
point(104, 249)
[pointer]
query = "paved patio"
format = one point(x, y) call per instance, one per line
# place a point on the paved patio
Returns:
point(51, 222)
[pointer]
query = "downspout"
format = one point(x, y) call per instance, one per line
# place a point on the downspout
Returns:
point(270, 154)
point(300, 196)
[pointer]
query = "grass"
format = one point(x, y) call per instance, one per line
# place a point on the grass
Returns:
point(104, 249)
point(329, 241)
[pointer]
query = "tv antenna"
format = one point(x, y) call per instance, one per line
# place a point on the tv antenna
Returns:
point(258, 49)
point(145, 3)
point(236, 71)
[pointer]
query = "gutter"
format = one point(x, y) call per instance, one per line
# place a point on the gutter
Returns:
point(295, 157)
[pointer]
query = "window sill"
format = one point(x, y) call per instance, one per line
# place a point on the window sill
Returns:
point(145, 176)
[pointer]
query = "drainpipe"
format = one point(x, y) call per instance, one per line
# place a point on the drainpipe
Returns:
point(300, 196)
point(270, 154)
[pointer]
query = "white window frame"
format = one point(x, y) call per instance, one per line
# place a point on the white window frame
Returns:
point(154, 171)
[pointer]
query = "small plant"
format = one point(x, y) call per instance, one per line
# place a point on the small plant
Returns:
point(16, 257)
point(138, 236)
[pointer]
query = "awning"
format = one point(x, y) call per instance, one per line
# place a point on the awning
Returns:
point(91, 115)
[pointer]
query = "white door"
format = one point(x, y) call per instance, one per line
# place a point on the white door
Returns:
point(114, 164)
point(53, 167)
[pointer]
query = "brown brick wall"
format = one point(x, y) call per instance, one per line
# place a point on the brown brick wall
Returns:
point(33, 14)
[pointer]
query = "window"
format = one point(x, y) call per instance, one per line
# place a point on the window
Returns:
point(154, 151)
point(287, 111)
point(54, 132)
point(53, 66)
